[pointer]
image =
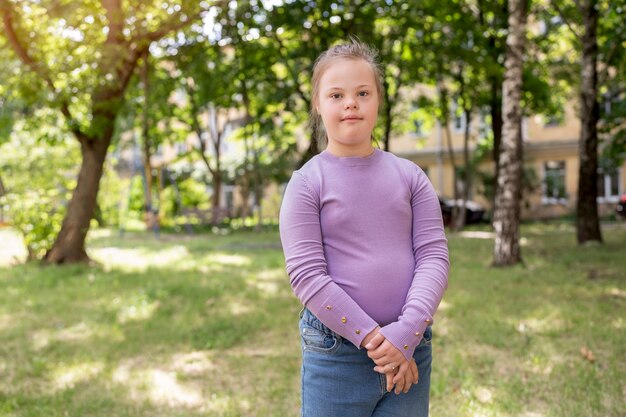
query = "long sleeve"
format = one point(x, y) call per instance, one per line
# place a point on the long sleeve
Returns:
point(301, 238)
point(430, 278)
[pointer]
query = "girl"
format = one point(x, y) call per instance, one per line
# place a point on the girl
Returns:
point(366, 254)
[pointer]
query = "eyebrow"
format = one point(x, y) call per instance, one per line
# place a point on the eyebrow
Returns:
point(358, 86)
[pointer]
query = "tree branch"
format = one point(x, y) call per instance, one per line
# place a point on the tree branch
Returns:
point(115, 16)
point(176, 22)
point(281, 46)
point(562, 16)
point(579, 6)
point(36, 67)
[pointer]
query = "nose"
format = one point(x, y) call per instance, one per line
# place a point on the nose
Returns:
point(350, 104)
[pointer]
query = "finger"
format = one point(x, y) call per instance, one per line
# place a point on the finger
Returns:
point(411, 372)
point(399, 386)
point(376, 353)
point(401, 372)
point(381, 351)
point(408, 380)
point(386, 369)
point(389, 382)
point(381, 370)
point(383, 360)
point(375, 342)
point(414, 371)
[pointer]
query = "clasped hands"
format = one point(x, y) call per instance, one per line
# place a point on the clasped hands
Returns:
point(391, 362)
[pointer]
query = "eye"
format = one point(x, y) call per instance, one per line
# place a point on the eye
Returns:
point(335, 96)
point(364, 93)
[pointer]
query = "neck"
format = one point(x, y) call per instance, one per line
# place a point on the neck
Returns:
point(339, 150)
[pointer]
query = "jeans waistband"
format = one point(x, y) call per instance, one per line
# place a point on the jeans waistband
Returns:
point(311, 320)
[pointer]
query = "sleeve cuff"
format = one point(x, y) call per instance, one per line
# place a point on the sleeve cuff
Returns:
point(342, 314)
point(405, 336)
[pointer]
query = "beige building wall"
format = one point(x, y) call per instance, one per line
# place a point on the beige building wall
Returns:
point(549, 147)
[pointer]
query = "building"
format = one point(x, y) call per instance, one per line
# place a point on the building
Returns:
point(550, 152)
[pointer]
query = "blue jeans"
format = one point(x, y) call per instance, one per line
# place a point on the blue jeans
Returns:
point(338, 379)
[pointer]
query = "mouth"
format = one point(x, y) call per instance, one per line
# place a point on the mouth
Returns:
point(351, 118)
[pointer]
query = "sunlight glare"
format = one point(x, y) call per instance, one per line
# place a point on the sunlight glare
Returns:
point(227, 259)
point(68, 376)
point(165, 389)
point(476, 234)
point(139, 260)
point(194, 363)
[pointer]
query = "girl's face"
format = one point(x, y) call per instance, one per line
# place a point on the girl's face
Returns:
point(347, 101)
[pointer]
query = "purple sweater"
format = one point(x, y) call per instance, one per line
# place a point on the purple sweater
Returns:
point(364, 245)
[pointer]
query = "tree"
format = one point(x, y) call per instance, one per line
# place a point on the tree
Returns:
point(102, 44)
point(601, 44)
point(210, 108)
point(508, 193)
point(587, 221)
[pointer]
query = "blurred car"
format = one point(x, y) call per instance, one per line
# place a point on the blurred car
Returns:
point(474, 212)
point(620, 209)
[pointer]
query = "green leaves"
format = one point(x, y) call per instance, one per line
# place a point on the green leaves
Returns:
point(38, 167)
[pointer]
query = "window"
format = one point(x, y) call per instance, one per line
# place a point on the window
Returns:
point(418, 127)
point(458, 118)
point(553, 121)
point(554, 182)
point(609, 186)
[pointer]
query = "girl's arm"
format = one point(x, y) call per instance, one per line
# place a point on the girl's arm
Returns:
point(430, 277)
point(301, 238)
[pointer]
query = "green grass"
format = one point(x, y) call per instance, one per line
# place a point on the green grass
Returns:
point(207, 326)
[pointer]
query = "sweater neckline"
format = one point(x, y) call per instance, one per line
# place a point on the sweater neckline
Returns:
point(352, 160)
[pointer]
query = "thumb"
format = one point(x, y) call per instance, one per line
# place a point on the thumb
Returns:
point(376, 341)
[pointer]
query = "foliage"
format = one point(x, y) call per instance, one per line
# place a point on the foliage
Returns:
point(112, 191)
point(35, 200)
point(530, 183)
point(251, 61)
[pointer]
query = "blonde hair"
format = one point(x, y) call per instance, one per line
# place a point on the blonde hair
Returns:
point(355, 50)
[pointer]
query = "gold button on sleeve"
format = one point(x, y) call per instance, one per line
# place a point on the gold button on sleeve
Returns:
point(357, 331)
point(329, 307)
point(406, 347)
point(343, 319)
point(428, 321)
point(417, 334)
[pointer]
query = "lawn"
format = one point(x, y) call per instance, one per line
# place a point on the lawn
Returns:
point(206, 325)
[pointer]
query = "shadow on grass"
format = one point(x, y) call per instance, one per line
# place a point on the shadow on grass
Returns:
point(207, 325)
point(185, 335)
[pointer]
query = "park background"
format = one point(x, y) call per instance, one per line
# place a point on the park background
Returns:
point(144, 147)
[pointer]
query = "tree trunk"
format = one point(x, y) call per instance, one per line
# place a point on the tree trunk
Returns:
point(146, 141)
point(387, 104)
point(216, 141)
point(216, 199)
point(462, 215)
point(507, 203)
point(445, 121)
point(388, 120)
point(69, 245)
point(311, 151)
point(496, 127)
point(244, 193)
point(258, 185)
point(587, 221)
